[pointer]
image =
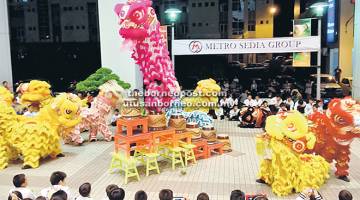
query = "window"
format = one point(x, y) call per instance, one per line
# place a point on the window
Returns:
point(261, 22)
point(81, 8)
point(207, 24)
point(30, 28)
point(200, 24)
point(76, 8)
point(184, 10)
point(200, 4)
point(223, 28)
point(251, 27)
point(65, 8)
point(83, 27)
point(193, 5)
point(267, 1)
point(77, 27)
point(29, 9)
point(193, 24)
point(206, 4)
point(212, 4)
point(34, 28)
point(33, 9)
point(66, 27)
point(267, 21)
point(71, 27)
point(70, 8)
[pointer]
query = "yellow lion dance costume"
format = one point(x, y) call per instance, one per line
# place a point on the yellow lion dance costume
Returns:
point(37, 137)
point(35, 94)
point(285, 166)
point(204, 98)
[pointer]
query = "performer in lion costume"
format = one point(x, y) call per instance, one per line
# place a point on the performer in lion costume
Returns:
point(204, 97)
point(335, 130)
point(35, 94)
point(285, 166)
point(37, 137)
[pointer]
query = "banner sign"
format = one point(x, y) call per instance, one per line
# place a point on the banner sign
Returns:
point(244, 46)
point(302, 28)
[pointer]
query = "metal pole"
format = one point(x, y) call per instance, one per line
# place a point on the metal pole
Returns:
point(356, 53)
point(318, 69)
point(172, 44)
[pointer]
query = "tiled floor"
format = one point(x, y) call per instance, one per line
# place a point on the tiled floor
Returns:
point(217, 176)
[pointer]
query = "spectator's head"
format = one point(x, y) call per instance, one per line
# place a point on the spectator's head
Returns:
point(237, 195)
point(254, 81)
point(140, 195)
point(117, 194)
point(311, 101)
point(301, 102)
point(283, 106)
point(319, 103)
point(58, 178)
point(236, 108)
point(345, 195)
point(265, 104)
point(5, 83)
point(260, 197)
point(40, 198)
point(278, 97)
point(166, 194)
point(110, 188)
point(15, 195)
point(249, 97)
point(289, 98)
point(116, 111)
point(203, 196)
point(85, 189)
point(19, 180)
point(59, 195)
point(257, 97)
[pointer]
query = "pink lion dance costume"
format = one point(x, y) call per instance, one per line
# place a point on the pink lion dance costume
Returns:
point(139, 26)
point(335, 130)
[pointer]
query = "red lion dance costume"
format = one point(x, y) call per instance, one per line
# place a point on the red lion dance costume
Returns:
point(335, 130)
point(140, 27)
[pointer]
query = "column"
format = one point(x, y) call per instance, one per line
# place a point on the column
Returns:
point(113, 56)
point(356, 53)
point(5, 57)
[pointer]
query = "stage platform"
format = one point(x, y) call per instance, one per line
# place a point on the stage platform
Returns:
point(217, 176)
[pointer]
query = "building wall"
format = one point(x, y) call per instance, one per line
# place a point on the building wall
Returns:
point(5, 58)
point(264, 19)
point(346, 38)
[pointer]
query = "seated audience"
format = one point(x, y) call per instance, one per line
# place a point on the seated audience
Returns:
point(140, 195)
point(84, 191)
point(257, 101)
point(300, 106)
point(59, 195)
point(20, 184)
point(309, 109)
point(166, 194)
point(234, 114)
point(237, 195)
point(15, 195)
point(265, 106)
point(309, 194)
point(283, 108)
point(290, 103)
point(276, 101)
point(40, 198)
point(108, 190)
point(249, 102)
point(57, 180)
point(115, 117)
point(345, 195)
point(117, 194)
point(203, 196)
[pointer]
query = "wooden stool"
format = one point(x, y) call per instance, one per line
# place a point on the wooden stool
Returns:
point(125, 164)
point(189, 154)
point(130, 123)
point(151, 163)
point(201, 149)
point(174, 154)
point(215, 147)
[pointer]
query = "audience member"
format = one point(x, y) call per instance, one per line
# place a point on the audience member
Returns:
point(345, 195)
point(59, 195)
point(308, 89)
point(254, 87)
point(257, 101)
point(309, 194)
point(115, 117)
point(202, 196)
point(276, 101)
point(283, 108)
point(243, 96)
point(140, 195)
point(234, 114)
point(57, 180)
point(15, 195)
point(319, 106)
point(166, 194)
point(108, 190)
point(84, 191)
point(20, 183)
point(117, 194)
point(40, 198)
point(265, 106)
point(300, 106)
point(309, 109)
point(290, 103)
point(249, 102)
point(237, 195)
point(6, 85)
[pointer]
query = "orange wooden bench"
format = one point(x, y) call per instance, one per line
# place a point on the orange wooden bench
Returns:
point(186, 136)
point(218, 147)
point(123, 142)
point(201, 149)
point(131, 123)
point(163, 137)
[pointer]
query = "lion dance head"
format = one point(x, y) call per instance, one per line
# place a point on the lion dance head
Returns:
point(35, 93)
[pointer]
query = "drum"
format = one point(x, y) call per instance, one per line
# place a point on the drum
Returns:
point(209, 133)
point(157, 121)
point(223, 138)
point(193, 127)
point(131, 108)
point(178, 122)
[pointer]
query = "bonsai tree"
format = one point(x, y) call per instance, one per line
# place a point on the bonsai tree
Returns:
point(101, 76)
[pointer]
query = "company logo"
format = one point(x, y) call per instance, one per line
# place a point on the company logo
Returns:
point(195, 46)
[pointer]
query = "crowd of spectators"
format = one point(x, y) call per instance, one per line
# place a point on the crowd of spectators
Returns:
point(58, 190)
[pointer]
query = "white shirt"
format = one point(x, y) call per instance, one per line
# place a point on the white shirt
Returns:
point(30, 114)
point(25, 192)
point(290, 103)
point(275, 102)
point(258, 102)
point(114, 118)
point(250, 103)
point(308, 109)
point(234, 113)
point(47, 192)
point(297, 105)
point(83, 198)
point(222, 103)
point(229, 102)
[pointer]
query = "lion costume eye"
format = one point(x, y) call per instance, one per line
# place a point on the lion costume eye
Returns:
point(338, 119)
point(138, 16)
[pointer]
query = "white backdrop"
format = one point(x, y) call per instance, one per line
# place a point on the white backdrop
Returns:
point(5, 57)
point(112, 55)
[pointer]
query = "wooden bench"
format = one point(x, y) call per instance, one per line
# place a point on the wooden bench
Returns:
point(130, 123)
point(201, 149)
point(218, 147)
